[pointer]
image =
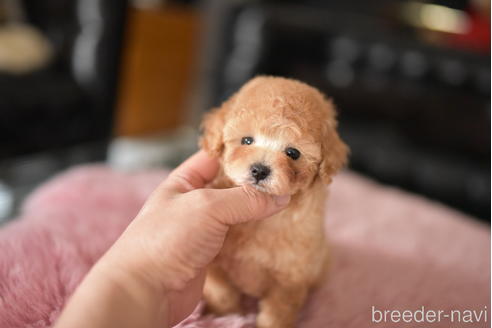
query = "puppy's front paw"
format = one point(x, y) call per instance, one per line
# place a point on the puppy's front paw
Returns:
point(221, 299)
point(222, 309)
point(280, 307)
point(267, 320)
point(222, 305)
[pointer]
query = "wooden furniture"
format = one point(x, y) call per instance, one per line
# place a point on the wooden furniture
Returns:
point(158, 66)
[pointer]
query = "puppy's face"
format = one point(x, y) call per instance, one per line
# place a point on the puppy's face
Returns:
point(271, 153)
point(277, 135)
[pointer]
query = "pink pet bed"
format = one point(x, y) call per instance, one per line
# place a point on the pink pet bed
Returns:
point(390, 251)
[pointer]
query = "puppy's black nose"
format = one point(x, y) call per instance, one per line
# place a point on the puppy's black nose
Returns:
point(259, 171)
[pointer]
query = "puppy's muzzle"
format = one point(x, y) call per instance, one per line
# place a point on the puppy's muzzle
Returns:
point(259, 171)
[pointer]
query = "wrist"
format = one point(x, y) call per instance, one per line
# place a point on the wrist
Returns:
point(115, 298)
point(124, 276)
point(158, 279)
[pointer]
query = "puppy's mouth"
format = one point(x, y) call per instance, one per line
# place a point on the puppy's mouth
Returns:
point(259, 185)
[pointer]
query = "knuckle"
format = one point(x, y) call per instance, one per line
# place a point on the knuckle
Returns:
point(203, 198)
point(185, 181)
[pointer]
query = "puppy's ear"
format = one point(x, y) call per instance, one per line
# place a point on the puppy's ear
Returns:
point(334, 150)
point(212, 128)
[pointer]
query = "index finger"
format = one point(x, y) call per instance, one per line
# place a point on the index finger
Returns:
point(194, 173)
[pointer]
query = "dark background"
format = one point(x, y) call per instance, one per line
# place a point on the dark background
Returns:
point(412, 88)
point(414, 106)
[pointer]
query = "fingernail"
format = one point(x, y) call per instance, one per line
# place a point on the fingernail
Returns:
point(282, 200)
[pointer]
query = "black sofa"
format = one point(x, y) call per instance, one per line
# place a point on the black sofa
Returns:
point(62, 114)
point(71, 100)
point(427, 132)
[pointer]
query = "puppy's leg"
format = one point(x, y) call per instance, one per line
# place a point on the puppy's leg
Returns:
point(220, 295)
point(280, 306)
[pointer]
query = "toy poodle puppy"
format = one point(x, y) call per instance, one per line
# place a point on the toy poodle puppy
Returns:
point(278, 135)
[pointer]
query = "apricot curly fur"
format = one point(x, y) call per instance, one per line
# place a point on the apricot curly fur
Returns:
point(279, 259)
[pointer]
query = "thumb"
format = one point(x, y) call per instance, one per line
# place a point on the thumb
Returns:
point(245, 203)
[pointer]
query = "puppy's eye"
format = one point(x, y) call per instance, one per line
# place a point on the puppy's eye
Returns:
point(247, 140)
point(292, 153)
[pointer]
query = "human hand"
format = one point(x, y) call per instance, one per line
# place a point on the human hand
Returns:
point(178, 232)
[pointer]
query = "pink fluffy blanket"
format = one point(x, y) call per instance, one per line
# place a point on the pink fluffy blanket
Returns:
point(390, 251)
